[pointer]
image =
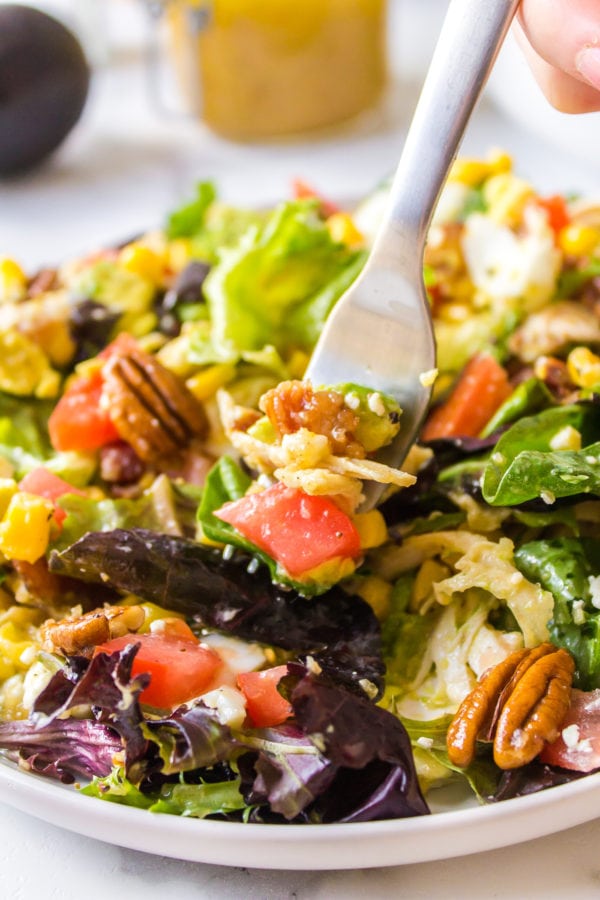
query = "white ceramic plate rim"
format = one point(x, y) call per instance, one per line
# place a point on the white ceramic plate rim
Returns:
point(303, 847)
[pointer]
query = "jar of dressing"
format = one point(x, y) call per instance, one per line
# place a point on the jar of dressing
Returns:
point(257, 69)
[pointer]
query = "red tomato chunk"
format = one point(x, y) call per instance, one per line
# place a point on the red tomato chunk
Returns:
point(578, 744)
point(298, 530)
point(180, 668)
point(78, 421)
point(264, 704)
point(46, 484)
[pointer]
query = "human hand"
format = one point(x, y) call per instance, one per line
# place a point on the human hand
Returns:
point(561, 41)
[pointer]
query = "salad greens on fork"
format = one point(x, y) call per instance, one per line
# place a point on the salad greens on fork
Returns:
point(198, 617)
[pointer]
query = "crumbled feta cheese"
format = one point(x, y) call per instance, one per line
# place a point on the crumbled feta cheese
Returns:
point(428, 378)
point(594, 583)
point(313, 666)
point(578, 612)
point(369, 688)
point(229, 704)
point(570, 736)
point(548, 497)
point(352, 400)
point(498, 459)
point(376, 404)
point(426, 743)
point(568, 438)
point(573, 741)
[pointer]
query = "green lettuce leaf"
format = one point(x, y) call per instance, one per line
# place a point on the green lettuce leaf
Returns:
point(189, 218)
point(523, 465)
point(276, 287)
point(564, 567)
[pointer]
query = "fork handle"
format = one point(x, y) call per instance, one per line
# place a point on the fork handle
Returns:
point(469, 42)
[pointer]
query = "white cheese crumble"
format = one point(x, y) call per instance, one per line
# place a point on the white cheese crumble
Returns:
point(352, 400)
point(578, 612)
point(376, 404)
point(573, 741)
point(594, 583)
point(548, 497)
point(498, 459)
point(428, 378)
point(568, 438)
point(426, 743)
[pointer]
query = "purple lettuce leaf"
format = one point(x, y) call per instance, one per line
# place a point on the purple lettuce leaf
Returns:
point(287, 774)
point(190, 738)
point(371, 748)
point(530, 779)
point(339, 630)
point(346, 760)
point(106, 687)
point(65, 749)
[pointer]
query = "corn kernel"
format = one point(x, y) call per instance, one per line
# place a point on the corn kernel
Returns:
point(205, 384)
point(178, 254)
point(430, 572)
point(25, 528)
point(297, 364)
point(13, 281)
point(343, 230)
point(473, 172)
point(506, 195)
point(567, 438)
point(142, 261)
point(376, 591)
point(8, 488)
point(584, 367)
point(578, 240)
point(371, 528)
point(469, 171)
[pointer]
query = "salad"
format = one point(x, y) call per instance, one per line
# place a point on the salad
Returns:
point(196, 615)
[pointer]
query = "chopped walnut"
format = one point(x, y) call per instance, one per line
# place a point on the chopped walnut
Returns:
point(293, 405)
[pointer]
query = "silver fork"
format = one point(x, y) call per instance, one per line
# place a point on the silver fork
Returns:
point(380, 332)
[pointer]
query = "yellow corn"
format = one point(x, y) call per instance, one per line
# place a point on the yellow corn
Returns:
point(13, 281)
point(473, 172)
point(25, 528)
point(8, 488)
point(205, 384)
point(14, 642)
point(178, 253)
point(297, 364)
point(584, 367)
point(506, 195)
point(376, 591)
point(578, 240)
point(371, 528)
point(429, 572)
point(142, 261)
point(343, 230)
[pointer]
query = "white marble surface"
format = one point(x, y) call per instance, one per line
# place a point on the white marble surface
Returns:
point(119, 172)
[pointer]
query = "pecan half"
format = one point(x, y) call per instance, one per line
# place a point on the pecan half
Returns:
point(519, 704)
point(151, 407)
point(80, 634)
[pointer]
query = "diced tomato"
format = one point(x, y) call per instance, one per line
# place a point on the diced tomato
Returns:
point(304, 191)
point(578, 744)
point(556, 210)
point(123, 343)
point(180, 669)
point(264, 704)
point(481, 388)
point(78, 421)
point(298, 530)
point(46, 484)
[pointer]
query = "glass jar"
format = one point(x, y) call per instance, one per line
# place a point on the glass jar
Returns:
point(253, 69)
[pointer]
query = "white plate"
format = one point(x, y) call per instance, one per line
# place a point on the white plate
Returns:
point(455, 832)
